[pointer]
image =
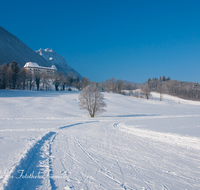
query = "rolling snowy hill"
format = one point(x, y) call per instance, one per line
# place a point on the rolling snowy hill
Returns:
point(46, 142)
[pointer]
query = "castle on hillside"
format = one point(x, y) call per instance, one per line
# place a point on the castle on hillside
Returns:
point(35, 68)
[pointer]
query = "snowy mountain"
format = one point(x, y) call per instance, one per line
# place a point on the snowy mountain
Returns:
point(54, 59)
point(12, 48)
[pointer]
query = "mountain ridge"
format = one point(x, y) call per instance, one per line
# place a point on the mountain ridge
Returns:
point(13, 49)
point(53, 59)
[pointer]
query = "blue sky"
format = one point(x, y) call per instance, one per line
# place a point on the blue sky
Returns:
point(125, 39)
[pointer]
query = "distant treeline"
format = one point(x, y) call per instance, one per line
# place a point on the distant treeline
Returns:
point(163, 85)
point(117, 86)
point(14, 77)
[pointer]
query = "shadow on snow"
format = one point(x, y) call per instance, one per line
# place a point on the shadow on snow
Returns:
point(27, 93)
point(77, 124)
point(135, 115)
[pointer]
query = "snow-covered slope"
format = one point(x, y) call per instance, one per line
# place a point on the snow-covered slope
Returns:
point(174, 99)
point(46, 142)
point(54, 59)
point(12, 48)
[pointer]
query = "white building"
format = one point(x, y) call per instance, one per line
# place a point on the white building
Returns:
point(35, 68)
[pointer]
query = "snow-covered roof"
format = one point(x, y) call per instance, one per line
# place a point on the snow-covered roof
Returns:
point(54, 67)
point(31, 64)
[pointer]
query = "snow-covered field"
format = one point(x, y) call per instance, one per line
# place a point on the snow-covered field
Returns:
point(46, 142)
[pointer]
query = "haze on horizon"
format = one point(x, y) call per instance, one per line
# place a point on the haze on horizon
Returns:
point(127, 40)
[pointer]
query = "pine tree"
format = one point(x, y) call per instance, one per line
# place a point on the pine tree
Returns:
point(15, 70)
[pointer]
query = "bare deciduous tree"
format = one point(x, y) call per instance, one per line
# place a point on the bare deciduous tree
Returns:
point(85, 82)
point(129, 87)
point(3, 70)
point(91, 99)
point(29, 76)
point(146, 90)
point(63, 81)
point(56, 80)
point(119, 84)
point(22, 78)
point(160, 90)
point(45, 80)
point(37, 80)
point(110, 85)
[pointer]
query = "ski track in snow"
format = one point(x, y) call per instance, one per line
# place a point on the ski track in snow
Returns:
point(30, 172)
point(192, 143)
point(42, 159)
point(27, 169)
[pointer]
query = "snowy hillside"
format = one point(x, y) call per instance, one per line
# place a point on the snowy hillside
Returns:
point(54, 59)
point(169, 98)
point(48, 143)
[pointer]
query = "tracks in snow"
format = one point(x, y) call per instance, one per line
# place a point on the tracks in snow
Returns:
point(161, 154)
point(39, 160)
point(35, 168)
point(101, 168)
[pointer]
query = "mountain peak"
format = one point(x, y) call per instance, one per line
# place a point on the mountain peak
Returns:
point(54, 59)
point(12, 48)
point(49, 50)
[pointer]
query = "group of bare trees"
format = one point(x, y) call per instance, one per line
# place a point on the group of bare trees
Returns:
point(91, 97)
point(14, 77)
point(117, 86)
point(9, 75)
point(163, 85)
